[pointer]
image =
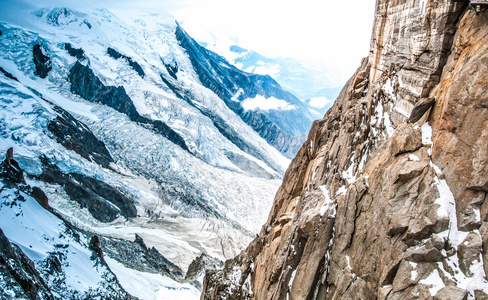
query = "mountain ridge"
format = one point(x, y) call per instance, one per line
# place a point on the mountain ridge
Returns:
point(239, 86)
point(112, 126)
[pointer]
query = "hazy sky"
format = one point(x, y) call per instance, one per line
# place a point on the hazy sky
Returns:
point(334, 33)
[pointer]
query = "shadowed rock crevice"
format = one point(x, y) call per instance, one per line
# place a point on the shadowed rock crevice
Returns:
point(41, 61)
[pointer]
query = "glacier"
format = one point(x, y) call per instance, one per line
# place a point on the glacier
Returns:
point(210, 196)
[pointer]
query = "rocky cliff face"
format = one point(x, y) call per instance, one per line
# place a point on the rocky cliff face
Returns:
point(386, 198)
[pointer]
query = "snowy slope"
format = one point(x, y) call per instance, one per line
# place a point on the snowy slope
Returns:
point(247, 93)
point(314, 84)
point(44, 239)
point(209, 198)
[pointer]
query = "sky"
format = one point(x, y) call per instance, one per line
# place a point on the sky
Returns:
point(336, 33)
point(333, 34)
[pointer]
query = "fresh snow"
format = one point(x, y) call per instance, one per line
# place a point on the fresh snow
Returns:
point(447, 208)
point(388, 125)
point(329, 205)
point(36, 231)
point(402, 111)
point(348, 262)
point(414, 273)
point(475, 282)
point(388, 88)
point(426, 134)
point(341, 191)
point(147, 286)
point(292, 278)
point(434, 282)
point(413, 157)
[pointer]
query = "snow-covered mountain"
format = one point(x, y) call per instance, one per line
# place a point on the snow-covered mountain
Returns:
point(313, 83)
point(277, 115)
point(133, 131)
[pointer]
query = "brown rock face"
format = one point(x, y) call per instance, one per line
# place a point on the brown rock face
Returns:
point(387, 197)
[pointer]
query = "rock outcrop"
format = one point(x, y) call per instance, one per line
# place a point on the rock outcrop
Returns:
point(198, 267)
point(7, 74)
point(78, 53)
point(137, 67)
point(19, 274)
point(90, 87)
point(76, 136)
point(136, 255)
point(44, 274)
point(10, 169)
point(387, 197)
point(104, 202)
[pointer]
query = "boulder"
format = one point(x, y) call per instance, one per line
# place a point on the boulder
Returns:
point(420, 109)
point(407, 138)
point(95, 246)
point(480, 295)
point(10, 169)
point(40, 196)
point(451, 293)
point(424, 253)
point(469, 252)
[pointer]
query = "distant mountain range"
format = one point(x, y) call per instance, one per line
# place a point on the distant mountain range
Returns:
point(304, 79)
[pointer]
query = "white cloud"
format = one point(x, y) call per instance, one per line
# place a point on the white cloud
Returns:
point(220, 46)
point(250, 69)
point(265, 104)
point(272, 70)
point(239, 65)
point(320, 102)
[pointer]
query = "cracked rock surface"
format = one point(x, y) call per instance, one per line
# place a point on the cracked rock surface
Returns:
point(387, 197)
